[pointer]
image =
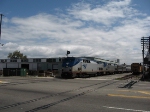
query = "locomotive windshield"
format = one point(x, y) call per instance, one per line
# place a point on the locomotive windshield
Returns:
point(68, 62)
point(69, 59)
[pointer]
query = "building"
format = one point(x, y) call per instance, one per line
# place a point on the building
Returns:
point(32, 64)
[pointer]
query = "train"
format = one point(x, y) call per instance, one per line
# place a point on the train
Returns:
point(136, 68)
point(123, 68)
point(79, 67)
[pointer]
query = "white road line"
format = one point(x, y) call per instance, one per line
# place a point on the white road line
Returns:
point(3, 82)
point(125, 109)
point(91, 79)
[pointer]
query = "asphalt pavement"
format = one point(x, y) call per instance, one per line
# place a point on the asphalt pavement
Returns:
point(94, 94)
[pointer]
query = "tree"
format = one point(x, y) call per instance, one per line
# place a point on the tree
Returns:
point(16, 55)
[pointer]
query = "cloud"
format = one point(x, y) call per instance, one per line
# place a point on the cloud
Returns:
point(110, 30)
point(38, 26)
point(106, 14)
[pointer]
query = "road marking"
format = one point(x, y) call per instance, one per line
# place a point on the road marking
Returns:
point(115, 95)
point(144, 92)
point(3, 82)
point(91, 79)
point(99, 79)
point(142, 87)
point(142, 84)
point(125, 109)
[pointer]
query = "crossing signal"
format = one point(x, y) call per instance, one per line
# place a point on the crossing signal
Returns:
point(68, 52)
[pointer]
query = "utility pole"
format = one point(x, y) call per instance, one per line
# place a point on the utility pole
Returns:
point(143, 54)
point(145, 42)
point(1, 15)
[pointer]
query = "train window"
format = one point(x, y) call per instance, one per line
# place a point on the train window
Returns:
point(86, 61)
point(67, 60)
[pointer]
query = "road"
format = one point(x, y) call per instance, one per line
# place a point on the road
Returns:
point(95, 94)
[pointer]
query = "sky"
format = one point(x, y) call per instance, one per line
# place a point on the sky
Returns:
point(108, 29)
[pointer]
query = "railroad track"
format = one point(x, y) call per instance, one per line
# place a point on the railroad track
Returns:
point(80, 90)
point(130, 77)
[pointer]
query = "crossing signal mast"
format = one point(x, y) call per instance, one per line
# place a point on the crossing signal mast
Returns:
point(68, 52)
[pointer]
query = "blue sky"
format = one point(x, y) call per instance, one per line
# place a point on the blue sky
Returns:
point(108, 29)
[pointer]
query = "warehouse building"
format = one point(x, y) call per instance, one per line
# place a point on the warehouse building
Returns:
point(10, 67)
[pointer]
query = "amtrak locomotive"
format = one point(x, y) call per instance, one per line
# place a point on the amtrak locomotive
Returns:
point(80, 67)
